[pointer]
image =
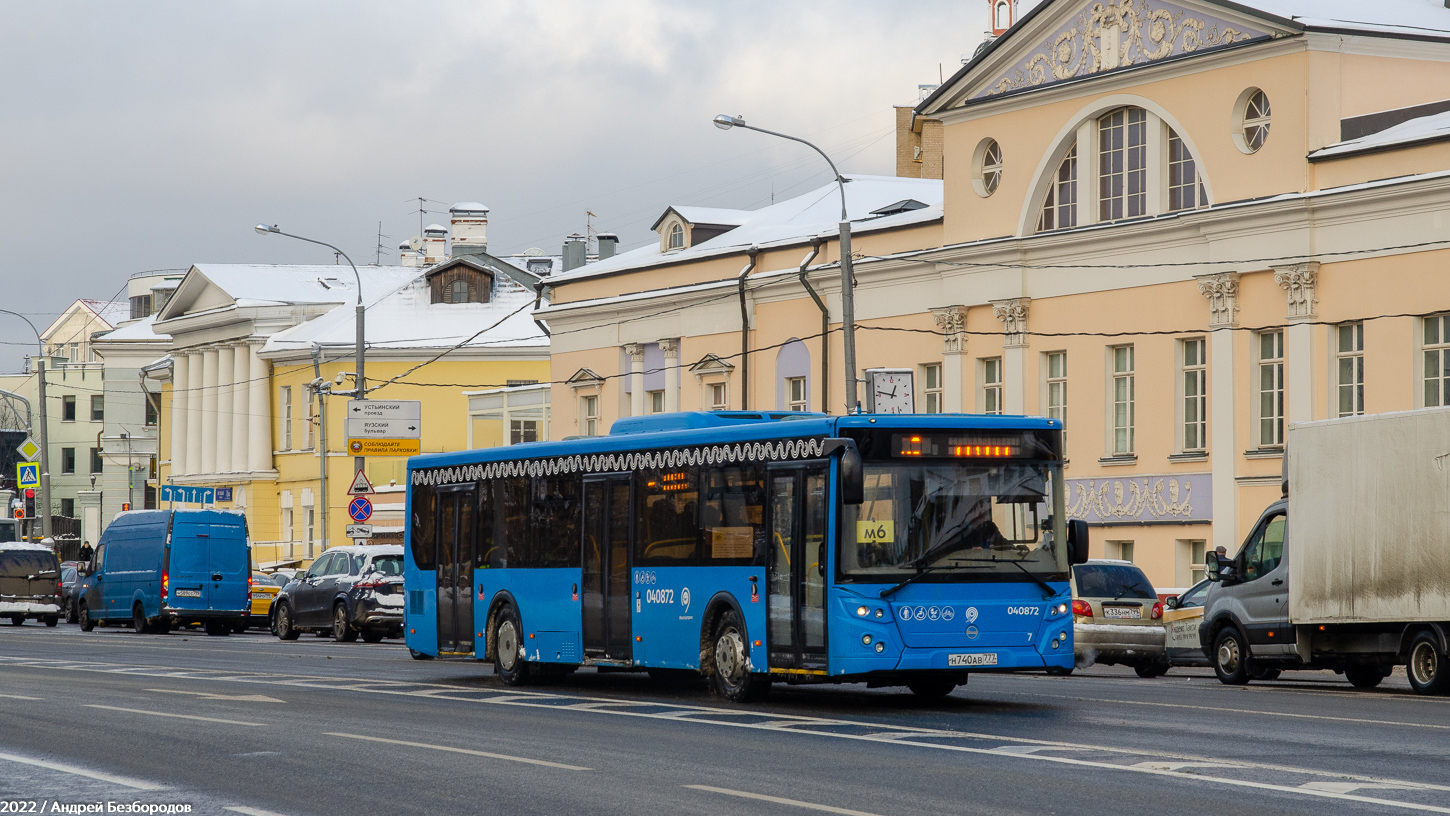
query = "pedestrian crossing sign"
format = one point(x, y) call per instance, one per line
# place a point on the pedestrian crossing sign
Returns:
point(27, 474)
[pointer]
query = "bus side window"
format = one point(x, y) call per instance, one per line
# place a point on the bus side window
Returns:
point(514, 495)
point(557, 509)
point(667, 518)
point(734, 515)
point(425, 506)
point(488, 552)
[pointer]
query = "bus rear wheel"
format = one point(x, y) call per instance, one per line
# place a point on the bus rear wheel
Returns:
point(931, 689)
point(730, 671)
point(508, 653)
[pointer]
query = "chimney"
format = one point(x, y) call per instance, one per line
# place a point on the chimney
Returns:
point(407, 256)
point(470, 228)
point(574, 251)
point(435, 237)
point(608, 240)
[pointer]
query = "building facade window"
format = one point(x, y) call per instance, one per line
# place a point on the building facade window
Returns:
point(287, 528)
point(1195, 396)
point(989, 168)
point(1059, 209)
point(589, 414)
point(153, 411)
point(460, 291)
point(310, 434)
point(795, 392)
point(1196, 569)
point(719, 397)
point(1184, 186)
point(1349, 364)
point(931, 392)
point(656, 400)
point(284, 398)
point(1122, 400)
point(96, 462)
point(98, 408)
point(1437, 361)
point(1271, 389)
point(1123, 164)
point(523, 430)
point(1056, 390)
point(68, 508)
point(68, 408)
point(1122, 550)
point(311, 529)
point(992, 385)
point(67, 460)
point(677, 237)
point(1255, 130)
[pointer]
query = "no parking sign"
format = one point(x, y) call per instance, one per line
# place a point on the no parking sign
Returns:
point(360, 509)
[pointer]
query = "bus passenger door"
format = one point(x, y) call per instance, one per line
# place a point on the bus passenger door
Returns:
point(797, 578)
point(455, 569)
point(606, 572)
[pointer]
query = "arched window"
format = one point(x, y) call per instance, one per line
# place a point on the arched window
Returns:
point(1002, 15)
point(989, 168)
point(460, 291)
point(1123, 164)
point(677, 236)
point(1256, 120)
point(1059, 209)
point(1185, 188)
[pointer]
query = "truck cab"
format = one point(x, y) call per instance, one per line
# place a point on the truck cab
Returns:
point(1245, 631)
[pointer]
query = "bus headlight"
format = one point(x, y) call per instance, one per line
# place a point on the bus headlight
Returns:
point(1056, 643)
point(1061, 609)
point(866, 640)
point(880, 647)
point(878, 613)
point(861, 610)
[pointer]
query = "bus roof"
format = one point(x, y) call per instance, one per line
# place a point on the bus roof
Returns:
point(697, 427)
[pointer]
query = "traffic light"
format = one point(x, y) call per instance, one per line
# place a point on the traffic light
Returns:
point(29, 502)
point(125, 506)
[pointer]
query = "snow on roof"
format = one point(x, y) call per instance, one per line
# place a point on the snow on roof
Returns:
point(110, 311)
point(1422, 129)
point(434, 228)
point(280, 284)
point(713, 215)
point(468, 206)
point(815, 213)
point(406, 319)
point(140, 331)
point(1404, 17)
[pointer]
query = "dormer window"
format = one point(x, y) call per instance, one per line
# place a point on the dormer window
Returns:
point(677, 237)
point(459, 281)
point(459, 292)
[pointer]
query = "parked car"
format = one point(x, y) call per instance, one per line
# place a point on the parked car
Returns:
point(30, 583)
point(9, 529)
point(264, 591)
point(280, 578)
point(158, 569)
point(1117, 617)
point(70, 584)
point(1181, 616)
point(348, 591)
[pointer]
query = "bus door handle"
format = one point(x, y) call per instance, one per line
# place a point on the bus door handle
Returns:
point(821, 559)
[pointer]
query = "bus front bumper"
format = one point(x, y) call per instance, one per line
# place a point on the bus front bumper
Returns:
point(1005, 658)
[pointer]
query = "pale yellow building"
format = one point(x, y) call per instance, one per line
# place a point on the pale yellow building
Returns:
point(1177, 226)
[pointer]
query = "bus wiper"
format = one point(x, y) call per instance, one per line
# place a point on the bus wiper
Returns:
point(920, 572)
point(1046, 587)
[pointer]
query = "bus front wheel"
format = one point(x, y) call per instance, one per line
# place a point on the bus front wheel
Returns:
point(731, 673)
point(508, 655)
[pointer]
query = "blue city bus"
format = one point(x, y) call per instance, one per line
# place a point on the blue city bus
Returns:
point(751, 548)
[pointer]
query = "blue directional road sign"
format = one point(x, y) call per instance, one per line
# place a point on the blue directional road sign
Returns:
point(188, 494)
point(27, 474)
point(360, 509)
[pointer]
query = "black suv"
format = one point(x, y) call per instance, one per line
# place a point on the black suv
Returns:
point(349, 591)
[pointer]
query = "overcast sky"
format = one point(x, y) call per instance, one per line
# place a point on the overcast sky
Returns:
point(150, 135)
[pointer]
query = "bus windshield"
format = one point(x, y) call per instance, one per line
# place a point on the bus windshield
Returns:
point(958, 521)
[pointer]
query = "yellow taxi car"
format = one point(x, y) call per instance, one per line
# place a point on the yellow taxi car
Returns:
point(1181, 618)
point(264, 591)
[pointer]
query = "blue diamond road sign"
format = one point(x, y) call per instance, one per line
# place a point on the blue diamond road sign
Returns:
point(360, 509)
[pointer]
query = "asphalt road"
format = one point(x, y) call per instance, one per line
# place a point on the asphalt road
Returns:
point(252, 725)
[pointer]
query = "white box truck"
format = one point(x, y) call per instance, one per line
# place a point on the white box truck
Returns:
point(1351, 570)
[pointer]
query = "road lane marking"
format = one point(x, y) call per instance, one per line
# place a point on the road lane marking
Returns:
point(124, 781)
point(251, 811)
point(1231, 710)
point(244, 698)
point(780, 800)
point(20, 697)
point(177, 716)
point(468, 751)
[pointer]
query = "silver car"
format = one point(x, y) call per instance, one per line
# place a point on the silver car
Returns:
point(1117, 618)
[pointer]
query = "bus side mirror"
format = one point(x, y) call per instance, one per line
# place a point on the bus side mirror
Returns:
point(852, 481)
point(1077, 541)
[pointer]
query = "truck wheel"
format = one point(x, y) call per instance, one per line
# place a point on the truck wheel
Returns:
point(52, 620)
point(1364, 677)
point(372, 636)
point(17, 620)
point(508, 651)
point(1266, 674)
point(342, 632)
point(730, 672)
point(282, 623)
point(84, 616)
point(1428, 668)
point(138, 619)
point(1151, 669)
point(1231, 657)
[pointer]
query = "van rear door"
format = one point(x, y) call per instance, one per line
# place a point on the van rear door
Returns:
point(230, 563)
point(189, 565)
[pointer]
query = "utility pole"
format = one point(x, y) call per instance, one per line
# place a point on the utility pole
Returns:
point(321, 388)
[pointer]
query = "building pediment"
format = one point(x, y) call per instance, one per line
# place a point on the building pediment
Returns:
point(195, 293)
point(1066, 40)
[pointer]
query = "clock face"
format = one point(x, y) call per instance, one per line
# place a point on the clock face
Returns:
point(891, 392)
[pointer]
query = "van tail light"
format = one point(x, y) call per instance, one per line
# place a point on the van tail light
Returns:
point(1157, 610)
point(1083, 608)
point(165, 585)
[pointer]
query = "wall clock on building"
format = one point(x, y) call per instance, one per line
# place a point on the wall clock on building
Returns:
point(890, 391)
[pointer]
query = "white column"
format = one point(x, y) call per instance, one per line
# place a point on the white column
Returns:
point(1013, 314)
point(635, 353)
point(671, 348)
point(1301, 281)
point(179, 395)
point(241, 370)
point(952, 321)
point(208, 410)
point(193, 413)
point(226, 366)
point(259, 413)
point(1222, 291)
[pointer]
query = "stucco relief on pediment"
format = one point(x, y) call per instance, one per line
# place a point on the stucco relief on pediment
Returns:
point(1114, 34)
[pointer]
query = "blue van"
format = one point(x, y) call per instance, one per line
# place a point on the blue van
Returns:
point(163, 568)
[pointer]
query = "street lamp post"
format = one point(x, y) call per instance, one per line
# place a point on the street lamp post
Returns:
point(44, 427)
point(848, 295)
point(361, 391)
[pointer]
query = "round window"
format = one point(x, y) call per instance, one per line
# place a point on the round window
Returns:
point(1252, 125)
point(988, 167)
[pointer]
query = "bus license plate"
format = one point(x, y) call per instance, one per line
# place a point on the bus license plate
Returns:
point(188, 593)
point(977, 659)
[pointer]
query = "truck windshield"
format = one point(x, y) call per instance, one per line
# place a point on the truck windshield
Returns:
point(958, 521)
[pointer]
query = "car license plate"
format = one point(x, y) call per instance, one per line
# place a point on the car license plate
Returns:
point(188, 593)
point(976, 659)
point(1122, 611)
point(260, 596)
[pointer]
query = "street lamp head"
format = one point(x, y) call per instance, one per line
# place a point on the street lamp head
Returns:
point(725, 121)
point(263, 229)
